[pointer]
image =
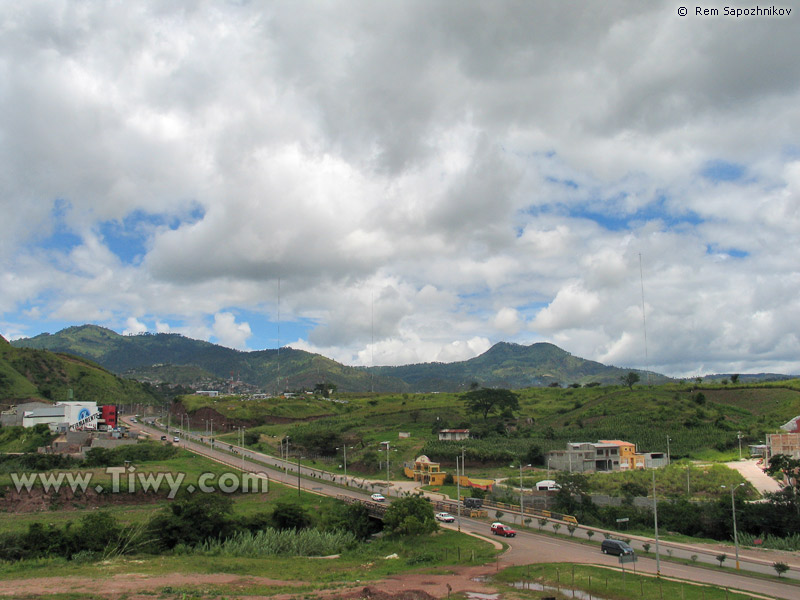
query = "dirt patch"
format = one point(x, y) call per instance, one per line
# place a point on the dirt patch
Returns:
point(136, 586)
point(37, 500)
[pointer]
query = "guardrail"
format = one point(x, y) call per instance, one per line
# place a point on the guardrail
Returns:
point(452, 506)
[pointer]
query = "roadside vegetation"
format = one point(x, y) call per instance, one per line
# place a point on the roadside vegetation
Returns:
point(597, 582)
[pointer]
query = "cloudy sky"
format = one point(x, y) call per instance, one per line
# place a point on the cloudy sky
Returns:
point(406, 181)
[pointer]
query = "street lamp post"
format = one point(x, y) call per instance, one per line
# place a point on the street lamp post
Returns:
point(521, 493)
point(344, 450)
point(733, 511)
point(242, 448)
point(655, 522)
point(739, 435)
point(286, 461)
point(458, 493)
point(386, 445)
point(298, 475)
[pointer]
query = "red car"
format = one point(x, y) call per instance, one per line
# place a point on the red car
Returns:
point(504, 530)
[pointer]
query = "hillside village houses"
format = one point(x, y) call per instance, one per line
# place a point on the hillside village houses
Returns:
point(603, 455)
point(453, 435)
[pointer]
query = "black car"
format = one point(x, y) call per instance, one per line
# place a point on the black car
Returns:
point(163, 438)
point(616, 547)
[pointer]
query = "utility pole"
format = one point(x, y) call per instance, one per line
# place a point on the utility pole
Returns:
point(669, 461)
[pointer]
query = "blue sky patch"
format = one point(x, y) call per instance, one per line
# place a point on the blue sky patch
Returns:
point(731, 252)
point(62, 237)
point(720, 170)
point(265, 330)
point(128, 238)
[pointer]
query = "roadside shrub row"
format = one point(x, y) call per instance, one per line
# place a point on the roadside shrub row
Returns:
point(96, 457)
point(202, 523)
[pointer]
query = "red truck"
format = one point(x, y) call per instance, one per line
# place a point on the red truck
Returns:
point(504, 530)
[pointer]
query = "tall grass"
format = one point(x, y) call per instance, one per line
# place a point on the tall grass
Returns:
point(790, 542)
point(287, 542)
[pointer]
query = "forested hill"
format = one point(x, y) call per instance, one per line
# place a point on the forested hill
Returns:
point(512, 366)
point(270, 370)
point(174, 356)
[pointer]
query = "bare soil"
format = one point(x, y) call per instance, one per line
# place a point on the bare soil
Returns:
point(37, 500)
point(133, 586)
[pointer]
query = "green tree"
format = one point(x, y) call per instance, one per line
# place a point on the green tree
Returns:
point(780, 568)
point(489, 400)
point(349, 517)
point(630, 379)
point(289, 516)
point(573, 491)
point(735, 378)
point(412, 515)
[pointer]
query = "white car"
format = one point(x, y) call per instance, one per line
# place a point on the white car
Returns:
point(445, 517)
point(176, 439)
point(378, 498)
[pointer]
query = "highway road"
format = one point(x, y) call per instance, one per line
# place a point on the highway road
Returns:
point(527, 547)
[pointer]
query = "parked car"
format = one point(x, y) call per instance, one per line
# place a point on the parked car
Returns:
point(473, 502)
point(503, 530)
point(176, 439)
point(163, 438)
point(445, 517)
point(378, 498)
point(616, 547)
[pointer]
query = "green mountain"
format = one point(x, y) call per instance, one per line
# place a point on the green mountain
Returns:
point(177, 359)
point(40, 374)
point(512, 366)
point(141, 356)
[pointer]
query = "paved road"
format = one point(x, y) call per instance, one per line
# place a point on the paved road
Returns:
point(751, 470)
point(527, 547)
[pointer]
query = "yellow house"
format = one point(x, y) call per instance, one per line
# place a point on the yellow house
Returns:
point(426, 472)
point(628, 459)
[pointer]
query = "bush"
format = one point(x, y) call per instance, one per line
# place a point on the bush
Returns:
point(412, 515)
point(191, 520)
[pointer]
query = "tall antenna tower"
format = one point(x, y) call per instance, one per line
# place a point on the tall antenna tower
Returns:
point(278, 386)
point(644, 321)
point(372, 342)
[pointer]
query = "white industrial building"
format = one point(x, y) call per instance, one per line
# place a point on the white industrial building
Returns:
point(64, 415)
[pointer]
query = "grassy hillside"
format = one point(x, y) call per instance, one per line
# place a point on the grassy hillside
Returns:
point(27, 373)
point(701, 422)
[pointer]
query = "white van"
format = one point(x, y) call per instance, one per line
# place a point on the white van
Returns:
point(547, 485)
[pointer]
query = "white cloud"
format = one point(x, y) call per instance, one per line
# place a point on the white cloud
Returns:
point(423, 183)
point(230, 333)
point(134, 327)
point(507, 320)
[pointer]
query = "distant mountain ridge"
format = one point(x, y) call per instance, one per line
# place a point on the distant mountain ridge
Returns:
point(505, 364)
